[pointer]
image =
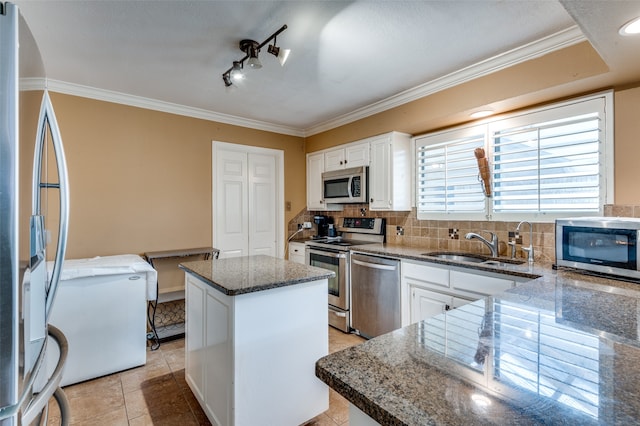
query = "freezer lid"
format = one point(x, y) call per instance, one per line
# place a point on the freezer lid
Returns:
point(109, 265)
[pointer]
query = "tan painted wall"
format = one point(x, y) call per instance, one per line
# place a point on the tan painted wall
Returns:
point(627, 146)
point(516, 87)
point(140, 180)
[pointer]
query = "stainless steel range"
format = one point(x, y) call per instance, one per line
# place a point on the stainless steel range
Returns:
point(333, 253)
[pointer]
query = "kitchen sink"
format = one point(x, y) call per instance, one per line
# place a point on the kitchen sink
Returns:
point(473, 258)
point(457, 257)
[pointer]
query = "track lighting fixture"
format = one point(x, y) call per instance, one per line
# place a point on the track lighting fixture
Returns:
point(251, 49)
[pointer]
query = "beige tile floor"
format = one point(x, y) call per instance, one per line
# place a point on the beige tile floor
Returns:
point(157, 394)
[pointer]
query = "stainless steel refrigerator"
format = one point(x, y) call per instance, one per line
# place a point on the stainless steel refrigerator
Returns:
point(27, 289)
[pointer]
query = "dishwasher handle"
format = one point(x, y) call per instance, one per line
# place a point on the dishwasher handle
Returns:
point(374, 265)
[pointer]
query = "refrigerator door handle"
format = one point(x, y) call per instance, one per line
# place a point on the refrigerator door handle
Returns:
point(48, 119)
point(37, 404)
point(40, 401)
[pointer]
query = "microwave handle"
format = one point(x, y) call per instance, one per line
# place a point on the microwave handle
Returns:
point(350, 187)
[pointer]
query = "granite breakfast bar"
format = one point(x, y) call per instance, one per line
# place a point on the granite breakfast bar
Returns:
point(561, 349)
point(255, 326)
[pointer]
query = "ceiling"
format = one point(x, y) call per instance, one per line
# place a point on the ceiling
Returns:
point(349, 58)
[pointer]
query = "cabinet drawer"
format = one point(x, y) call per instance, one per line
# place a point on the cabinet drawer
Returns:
point(296, 252)
point(479, 284)
point(427, 274)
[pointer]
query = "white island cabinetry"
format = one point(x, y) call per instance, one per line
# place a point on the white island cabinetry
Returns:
point(251, 353)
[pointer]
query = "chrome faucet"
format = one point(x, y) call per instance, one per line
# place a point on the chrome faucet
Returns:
point(528, 249)
point(493, 245)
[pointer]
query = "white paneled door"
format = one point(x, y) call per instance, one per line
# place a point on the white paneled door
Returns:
point(248, 192)
point(262, 203)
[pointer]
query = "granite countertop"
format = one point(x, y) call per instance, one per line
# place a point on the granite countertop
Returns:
point(239, 275)
point(563, 348)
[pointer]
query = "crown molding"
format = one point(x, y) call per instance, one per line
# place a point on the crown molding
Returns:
point(156, 105)
point(538, 48)
point(554, 42)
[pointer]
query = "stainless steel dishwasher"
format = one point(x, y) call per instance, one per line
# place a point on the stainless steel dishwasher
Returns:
point(375, 294)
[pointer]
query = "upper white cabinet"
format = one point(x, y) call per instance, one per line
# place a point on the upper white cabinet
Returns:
point(315, 168)
point(390, 172)
point(389, 159)
point(352, 155)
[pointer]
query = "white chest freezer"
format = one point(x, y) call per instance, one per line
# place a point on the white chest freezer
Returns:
point(101, 307)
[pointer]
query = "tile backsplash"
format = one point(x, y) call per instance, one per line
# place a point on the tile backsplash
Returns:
point(404, 228)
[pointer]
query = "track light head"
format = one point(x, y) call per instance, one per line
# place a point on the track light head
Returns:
point(226, 77)
point(281, 54)
point(251, 48)
point(236, 72)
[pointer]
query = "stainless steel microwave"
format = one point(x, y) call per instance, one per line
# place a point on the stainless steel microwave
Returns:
point(606, 245)
point(346, 186)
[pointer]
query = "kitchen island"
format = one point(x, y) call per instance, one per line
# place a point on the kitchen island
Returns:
point(255, 326)
point(561, 349)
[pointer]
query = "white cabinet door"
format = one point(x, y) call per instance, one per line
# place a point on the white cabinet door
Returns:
point(194, 340)
point(380, 174)
point(218, 355)
point(426, 304)
point(356, 155)
point(457, 302)
point(334, 160)
point(315, 167)
point(353, 155)
point(390, 172)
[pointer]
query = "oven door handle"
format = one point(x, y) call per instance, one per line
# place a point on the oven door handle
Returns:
point(328, 254)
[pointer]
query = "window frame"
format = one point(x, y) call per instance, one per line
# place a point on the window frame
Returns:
point(438, 139)
point(552, 111)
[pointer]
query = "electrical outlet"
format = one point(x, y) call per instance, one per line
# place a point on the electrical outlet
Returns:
point(306, 225)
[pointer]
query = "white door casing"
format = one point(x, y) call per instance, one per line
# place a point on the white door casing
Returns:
point(248, 200)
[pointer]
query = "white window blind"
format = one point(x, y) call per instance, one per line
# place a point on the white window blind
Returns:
point(549, 161)
point(447, 172)
point(546, 163)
